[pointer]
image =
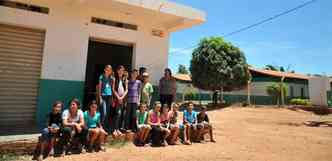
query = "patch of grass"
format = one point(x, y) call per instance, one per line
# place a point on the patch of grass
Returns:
point(12, 157)
point(116, 143)
point(327, 118)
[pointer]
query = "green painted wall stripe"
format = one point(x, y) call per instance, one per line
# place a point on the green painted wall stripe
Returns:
point(53, 90)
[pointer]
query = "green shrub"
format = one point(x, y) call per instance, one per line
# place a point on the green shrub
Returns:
point(299, 101)
point(329, 102)
point(191, 96)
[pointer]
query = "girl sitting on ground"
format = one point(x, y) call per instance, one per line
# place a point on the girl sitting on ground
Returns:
point(164, 120)
point(96, 134)
point(142, 124)
point(50, 133)
point(73, 126)
point(173, 125)
point(154, 122)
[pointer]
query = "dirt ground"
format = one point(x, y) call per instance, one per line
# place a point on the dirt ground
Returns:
point(243, 134)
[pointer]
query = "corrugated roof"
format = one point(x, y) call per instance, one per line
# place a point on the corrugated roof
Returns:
point(182, 77)
point(280, 74)
point(187, 78)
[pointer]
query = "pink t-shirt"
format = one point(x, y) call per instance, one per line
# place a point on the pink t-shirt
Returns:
point(154, 117)
point(164, 118)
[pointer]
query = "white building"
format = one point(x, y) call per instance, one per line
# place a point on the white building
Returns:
point(55, 49)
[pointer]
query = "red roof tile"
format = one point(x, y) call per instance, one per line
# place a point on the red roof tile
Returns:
point(280, 74)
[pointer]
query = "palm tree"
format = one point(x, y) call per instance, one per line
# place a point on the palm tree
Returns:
point(275, 91)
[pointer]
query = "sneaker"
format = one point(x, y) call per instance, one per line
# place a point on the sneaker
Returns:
point(102, 148)
point(186, 143)
point(51, 152)
point(164, 143)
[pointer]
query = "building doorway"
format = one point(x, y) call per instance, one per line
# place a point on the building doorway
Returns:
point(101, 53)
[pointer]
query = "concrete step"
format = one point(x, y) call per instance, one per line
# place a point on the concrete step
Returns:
point(26, 144)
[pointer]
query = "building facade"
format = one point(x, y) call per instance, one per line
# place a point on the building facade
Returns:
point(55, 50)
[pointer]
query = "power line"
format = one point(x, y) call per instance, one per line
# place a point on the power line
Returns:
point(255, 24)
point(270, 18)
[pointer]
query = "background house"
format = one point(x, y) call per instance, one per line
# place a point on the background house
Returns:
point(297, 86)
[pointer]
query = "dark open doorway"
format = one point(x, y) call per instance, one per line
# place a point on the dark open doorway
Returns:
point(100, 54)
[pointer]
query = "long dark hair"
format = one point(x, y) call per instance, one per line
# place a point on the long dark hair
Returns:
point(93, 102)
point(76, 101)
point(56, 103)
point(117, 78)
point(169, 71)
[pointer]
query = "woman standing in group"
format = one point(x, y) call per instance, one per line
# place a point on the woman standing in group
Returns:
point(133, 99)
point(120, 91)
point(105, 86)
point(167, 88)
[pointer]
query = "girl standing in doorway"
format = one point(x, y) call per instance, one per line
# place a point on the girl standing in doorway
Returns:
point(120, 91)
point(105, 86)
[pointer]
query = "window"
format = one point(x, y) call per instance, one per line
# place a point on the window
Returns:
point(113, 23)
point(302, 92)
point(291, 91)
point(24, 6)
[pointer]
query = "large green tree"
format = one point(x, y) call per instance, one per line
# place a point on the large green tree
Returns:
point(218, 65)
point(271, 67)
point(182, 69)
point(275, 68)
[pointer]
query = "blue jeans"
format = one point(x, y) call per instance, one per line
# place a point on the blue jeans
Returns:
point(130, 116)
point(46, 135)
point(117, 116)
point(105, 111)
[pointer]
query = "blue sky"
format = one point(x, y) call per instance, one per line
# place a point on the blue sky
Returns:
point(301, 40)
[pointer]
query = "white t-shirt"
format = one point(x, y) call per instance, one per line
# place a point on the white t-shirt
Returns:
point(72, 119)
point(120, 88)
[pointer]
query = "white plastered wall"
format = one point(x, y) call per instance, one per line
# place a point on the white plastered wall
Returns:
point(318, 87)
point(68, 30)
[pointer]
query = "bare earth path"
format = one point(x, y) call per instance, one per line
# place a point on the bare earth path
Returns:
point(243, 134)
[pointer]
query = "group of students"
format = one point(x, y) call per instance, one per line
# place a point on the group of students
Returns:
point(162, 123)
point(122, 105)
point(71, 124)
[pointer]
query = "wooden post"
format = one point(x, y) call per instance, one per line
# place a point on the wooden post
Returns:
point(282, 91)
point(221, 95)
point(248, 92)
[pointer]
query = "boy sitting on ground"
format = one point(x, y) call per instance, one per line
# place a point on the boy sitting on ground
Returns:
point(204, 126)
point(189, 124)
